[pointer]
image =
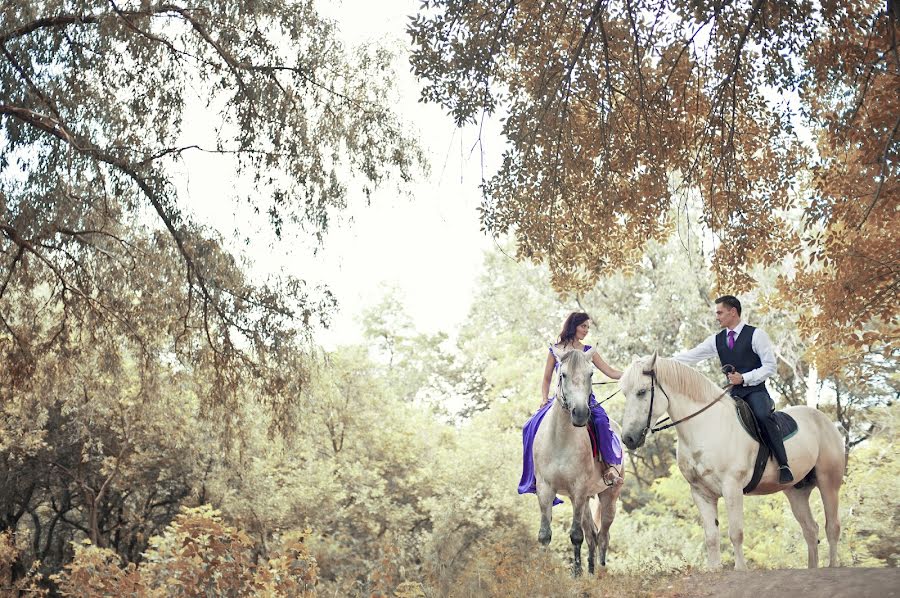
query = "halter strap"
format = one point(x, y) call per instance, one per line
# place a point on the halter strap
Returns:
point(560, 391)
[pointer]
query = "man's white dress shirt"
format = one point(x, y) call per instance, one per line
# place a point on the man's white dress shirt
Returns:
point(762, 346)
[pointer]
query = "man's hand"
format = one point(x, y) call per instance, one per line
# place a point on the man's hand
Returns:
point(736, 378)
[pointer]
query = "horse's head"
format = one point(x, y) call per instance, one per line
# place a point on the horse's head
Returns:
point(644, 404)
point(575, 370)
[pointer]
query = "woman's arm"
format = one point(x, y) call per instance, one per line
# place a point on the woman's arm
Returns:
point(548, 374)
point(605, 367)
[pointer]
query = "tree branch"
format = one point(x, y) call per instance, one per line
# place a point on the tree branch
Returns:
point(883, 173)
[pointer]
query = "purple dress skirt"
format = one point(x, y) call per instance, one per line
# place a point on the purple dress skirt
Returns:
point(608, 443)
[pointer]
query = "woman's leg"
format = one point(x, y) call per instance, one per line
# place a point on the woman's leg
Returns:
point(529, 430)
point(608, 444)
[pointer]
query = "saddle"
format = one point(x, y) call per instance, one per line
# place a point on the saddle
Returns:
point(787, 425)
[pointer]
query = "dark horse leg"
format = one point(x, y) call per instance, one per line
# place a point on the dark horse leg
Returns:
point(590, 531)
point(607, 513)
point(576, 534)
point(545, 494)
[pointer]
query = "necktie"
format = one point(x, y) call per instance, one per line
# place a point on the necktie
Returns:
point(731, 339)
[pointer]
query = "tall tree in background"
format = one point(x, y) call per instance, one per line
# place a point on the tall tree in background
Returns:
point(616, 111)
point(99, 102)
point(125, 325)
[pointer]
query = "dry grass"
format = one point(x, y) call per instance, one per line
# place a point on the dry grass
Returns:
point(501, 569)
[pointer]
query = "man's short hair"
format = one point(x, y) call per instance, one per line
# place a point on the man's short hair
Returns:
point(730, 301)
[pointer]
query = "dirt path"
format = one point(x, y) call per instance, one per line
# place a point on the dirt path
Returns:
point(790, 583)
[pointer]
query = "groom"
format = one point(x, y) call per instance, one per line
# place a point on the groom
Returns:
point(750, 351)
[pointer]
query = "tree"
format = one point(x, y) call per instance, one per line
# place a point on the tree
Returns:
point(420, 368)
point(98, 446)
point(100, 103)
point(616, 111)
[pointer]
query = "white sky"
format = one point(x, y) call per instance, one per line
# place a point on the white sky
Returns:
point(428, 244)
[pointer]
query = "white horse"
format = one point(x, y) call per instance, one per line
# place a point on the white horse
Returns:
point(717, 456)
point(564, 463)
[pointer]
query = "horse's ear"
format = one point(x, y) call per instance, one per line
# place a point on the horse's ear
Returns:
point(589, 354)
point(652, 363)
point(556, 354)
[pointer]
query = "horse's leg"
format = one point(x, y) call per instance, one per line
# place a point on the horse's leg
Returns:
point(734, 505)
point(608, 499)
point(590, 532)
point(545, 494)
point(799, 499)
point(829, 491)
point(709, 518)
point(576, 534)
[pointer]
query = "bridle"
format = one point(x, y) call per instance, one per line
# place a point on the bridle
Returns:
point(563, 401)
point(560, 394)
point(654, 382)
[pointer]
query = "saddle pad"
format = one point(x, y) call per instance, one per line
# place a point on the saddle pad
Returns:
point(786, 424)
point(595, 446)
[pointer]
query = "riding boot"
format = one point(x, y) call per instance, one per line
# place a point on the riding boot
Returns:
point(761, 405)
point(776, 444)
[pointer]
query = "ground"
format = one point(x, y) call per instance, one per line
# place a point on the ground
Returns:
point(787, 583)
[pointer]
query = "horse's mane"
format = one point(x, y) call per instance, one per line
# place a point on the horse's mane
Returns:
point(579, 362)
point(683, 379)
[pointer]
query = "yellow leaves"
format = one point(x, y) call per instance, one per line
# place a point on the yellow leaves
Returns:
point(585, 183)
point(410, 589)
point(198, 555)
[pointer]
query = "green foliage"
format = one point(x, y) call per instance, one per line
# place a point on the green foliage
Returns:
point(872, 499)
point(100, 104)
point(400, 501)
point(145, 376)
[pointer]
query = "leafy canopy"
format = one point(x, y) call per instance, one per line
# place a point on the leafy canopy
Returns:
point(617, 111)
point(99, 104)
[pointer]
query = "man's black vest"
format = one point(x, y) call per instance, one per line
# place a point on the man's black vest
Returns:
point(741, 357)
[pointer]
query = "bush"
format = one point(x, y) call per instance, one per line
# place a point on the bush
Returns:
point(198, 555)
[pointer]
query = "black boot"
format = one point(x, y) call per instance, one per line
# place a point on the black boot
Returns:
point(785, 475)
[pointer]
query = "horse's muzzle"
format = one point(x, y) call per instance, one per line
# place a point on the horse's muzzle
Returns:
point(633, 441)
point(580, 416)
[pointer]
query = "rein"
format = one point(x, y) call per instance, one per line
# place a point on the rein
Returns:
point(565, 402)
point(654, 383)
point(609, 397)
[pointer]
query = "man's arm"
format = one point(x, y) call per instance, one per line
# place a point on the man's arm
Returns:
point(762, 346)
point(704, 350)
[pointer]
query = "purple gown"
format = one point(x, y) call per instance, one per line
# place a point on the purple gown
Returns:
point(608, 442)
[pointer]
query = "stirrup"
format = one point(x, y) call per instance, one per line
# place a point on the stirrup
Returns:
point(616, 479)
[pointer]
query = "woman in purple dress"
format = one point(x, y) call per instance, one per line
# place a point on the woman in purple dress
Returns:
point(609, 446)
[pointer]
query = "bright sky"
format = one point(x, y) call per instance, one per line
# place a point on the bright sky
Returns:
point(428, 244)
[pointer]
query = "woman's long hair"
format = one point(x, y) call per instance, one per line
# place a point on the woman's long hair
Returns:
point(575, 319)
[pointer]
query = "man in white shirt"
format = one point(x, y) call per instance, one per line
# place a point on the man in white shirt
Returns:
point(749, 351)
